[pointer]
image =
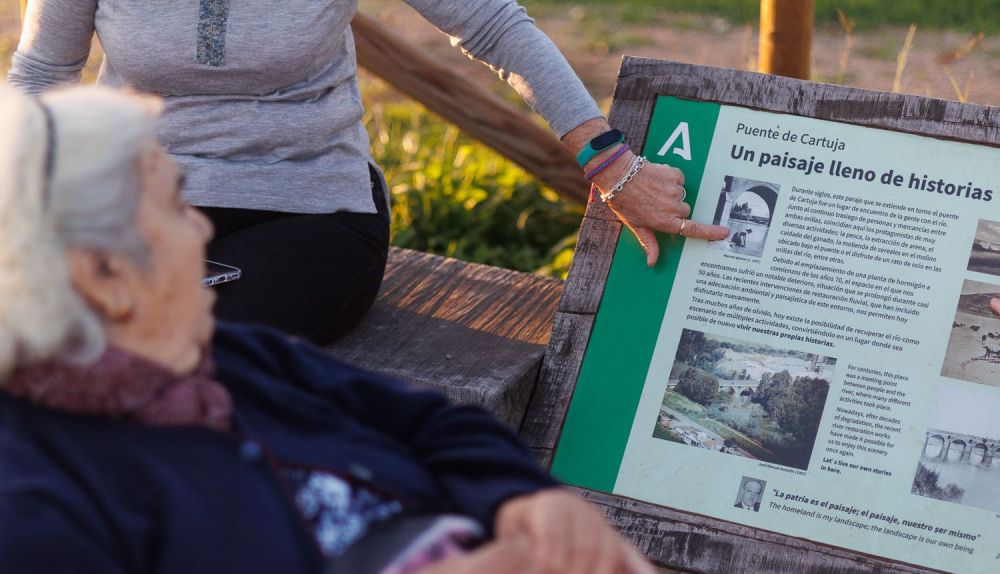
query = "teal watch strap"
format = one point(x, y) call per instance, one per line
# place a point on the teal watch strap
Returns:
point(599, 144)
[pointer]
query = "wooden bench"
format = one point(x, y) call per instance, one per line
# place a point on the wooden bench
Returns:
point(476, 332)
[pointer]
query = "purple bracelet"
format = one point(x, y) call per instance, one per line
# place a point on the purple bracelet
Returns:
point(590, 175)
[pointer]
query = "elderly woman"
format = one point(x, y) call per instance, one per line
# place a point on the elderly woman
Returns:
point(262, 111)
point(136, 437)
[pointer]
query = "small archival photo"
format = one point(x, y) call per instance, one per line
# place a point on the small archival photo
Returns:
point(973, 352)
point(746, 207)
point(749, 495)
point(745, 399)
point(985, 254)
point(960, 461)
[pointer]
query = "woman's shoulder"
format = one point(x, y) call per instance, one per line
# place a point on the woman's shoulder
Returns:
point(263, 363)
point(259, 350)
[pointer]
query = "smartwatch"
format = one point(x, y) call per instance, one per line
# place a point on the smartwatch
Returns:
point(599, 144)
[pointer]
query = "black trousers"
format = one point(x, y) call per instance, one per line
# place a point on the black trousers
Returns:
point(314, 276)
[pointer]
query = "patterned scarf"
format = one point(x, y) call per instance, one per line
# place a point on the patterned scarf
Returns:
point(124, 386)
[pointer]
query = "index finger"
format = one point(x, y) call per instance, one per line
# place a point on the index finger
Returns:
point(695, 230)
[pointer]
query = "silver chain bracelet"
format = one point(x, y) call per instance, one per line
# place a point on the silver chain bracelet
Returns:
point(633, 169)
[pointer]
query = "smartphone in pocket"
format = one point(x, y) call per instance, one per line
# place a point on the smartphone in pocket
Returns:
point(218, 273)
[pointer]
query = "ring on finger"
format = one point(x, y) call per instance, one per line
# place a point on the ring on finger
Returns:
point(684, 223)
point(684, 192)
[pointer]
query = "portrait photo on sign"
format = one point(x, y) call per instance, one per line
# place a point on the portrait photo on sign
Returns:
point(749, 495)
point(744, 398)
point(746, 207)
point(985, 254)
point(973, 352)
point(960, 460)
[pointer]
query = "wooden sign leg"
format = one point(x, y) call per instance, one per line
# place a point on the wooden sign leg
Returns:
point(786, 37)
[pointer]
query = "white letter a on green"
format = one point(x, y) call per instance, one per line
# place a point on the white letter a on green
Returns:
point(684, 150)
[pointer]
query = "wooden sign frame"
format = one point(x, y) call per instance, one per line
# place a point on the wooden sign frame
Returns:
point(675, 538)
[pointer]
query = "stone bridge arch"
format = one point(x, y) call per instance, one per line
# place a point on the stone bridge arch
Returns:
point(955, 447)
point(735, 188)
point(936, 442)
point(956, 453)
point(978, 452)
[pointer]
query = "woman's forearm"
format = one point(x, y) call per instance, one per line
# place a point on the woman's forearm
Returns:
point(502, 35)
point(54, 45)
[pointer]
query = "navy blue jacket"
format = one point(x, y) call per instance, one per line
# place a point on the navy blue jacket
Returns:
point(81, 494)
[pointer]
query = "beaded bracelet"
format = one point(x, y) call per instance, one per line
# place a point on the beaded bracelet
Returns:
point(606, 163)
point(633, 169)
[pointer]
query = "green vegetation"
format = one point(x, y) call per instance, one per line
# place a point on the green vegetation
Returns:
point(455, 197)
point(967, 15)
point(666, 434)
point(698, 386)
point(683, 405)
point(782, 415)
point(700, 415)
point(797, 407)
point(698, 350)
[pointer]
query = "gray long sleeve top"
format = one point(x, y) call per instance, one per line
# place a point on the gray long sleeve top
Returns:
point(262, 107)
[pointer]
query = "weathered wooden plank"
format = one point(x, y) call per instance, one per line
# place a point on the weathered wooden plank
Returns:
point(500, 302)
point(594, 251)
point(632, 107)
point(477, 111)
point(543, 456)
point(700, 544)
point(557, 379)
point(639, 78)
point(478, 333)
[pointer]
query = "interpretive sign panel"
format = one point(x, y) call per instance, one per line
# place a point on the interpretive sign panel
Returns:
point(831, 370)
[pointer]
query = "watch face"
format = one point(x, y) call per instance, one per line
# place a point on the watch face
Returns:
point(606, 140)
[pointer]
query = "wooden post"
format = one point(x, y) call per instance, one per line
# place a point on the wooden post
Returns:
point(476, 111)
point(786, 37)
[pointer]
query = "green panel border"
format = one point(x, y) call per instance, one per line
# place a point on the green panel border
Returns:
point(628, 323)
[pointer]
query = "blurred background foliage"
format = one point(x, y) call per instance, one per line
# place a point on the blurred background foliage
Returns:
point(454, 196)
point(970, 15)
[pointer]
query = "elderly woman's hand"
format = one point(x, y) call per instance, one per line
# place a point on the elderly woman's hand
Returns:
point(652, 201)
point(565, 534)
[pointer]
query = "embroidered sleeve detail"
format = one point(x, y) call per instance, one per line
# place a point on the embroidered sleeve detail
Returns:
point(338, 513)
point(212, 18)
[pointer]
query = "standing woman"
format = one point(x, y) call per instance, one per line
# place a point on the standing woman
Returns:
point(263, 113)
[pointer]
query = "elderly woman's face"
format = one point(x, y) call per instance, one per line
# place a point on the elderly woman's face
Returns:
point(156, 307)
point(173, 309)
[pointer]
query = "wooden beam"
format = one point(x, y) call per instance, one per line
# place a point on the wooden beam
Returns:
point(786, 28)
point(474, 332)
point(476, 111)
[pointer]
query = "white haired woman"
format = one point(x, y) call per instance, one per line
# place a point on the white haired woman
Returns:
point(137, 437)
